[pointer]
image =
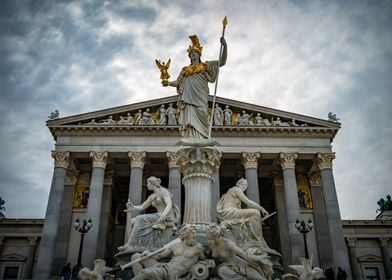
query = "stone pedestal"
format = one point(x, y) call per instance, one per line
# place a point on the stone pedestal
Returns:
point(197, 162)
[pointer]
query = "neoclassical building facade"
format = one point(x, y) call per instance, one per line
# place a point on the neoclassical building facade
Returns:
point(102, 159)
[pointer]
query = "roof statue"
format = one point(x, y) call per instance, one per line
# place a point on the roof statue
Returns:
point(192, 87)
point(385, 208)
point(332, 117)
point(54, 115)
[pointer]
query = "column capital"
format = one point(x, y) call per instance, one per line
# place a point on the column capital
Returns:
point(250, 160)
point(100, 159)
point(287, 160)
point(384, 241)
point(315, 179)
point(61, 159)
point(108, 179)
point(278, 180)
point(324, 160)
point(72, 177)
point(351, 241)
point(172, 158)
point(137, 159)
point(32, 240)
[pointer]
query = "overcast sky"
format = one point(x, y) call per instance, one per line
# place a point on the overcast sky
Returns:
point(307, 57)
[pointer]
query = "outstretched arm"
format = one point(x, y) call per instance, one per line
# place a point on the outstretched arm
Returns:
point(223, 57)
point(249, 202)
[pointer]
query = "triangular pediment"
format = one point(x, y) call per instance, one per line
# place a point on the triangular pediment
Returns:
point(244, 116)
point(370, 258)
point(13, 257)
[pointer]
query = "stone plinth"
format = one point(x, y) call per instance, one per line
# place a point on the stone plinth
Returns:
point(197, 162)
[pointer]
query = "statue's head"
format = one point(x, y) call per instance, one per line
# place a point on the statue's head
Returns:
point(188, 234)
point(152, 182)
point(214, 231)
point(195, 47)
point(242, 184)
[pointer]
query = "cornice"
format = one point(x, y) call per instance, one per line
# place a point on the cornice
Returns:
point(221, 131)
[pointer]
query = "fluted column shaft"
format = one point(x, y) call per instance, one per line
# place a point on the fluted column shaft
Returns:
point(287, 161)
point(65, 226)
point(215, 195)
point(386, 257)
point(103, 238)
point(356, 269)
point(174, 178)
point(2, 240)
point(281, 210)
point(197, 164)
point(250, 162)
point(320, 226)
point(94, 207)
point(52, 217)
point(137, 161)
point(338, 245)
point(28, 268)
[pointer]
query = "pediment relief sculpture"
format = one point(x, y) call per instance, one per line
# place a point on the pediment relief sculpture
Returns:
point(167, 115)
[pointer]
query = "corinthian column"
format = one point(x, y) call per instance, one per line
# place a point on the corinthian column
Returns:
point(287, 161)
point(30, 257)
point(99, 160)
point(386, 257)
point(174, 178)
point(250, 162)
point(65, 226)
point(52, 217)
point(320, 226)
point(338, 245)
point(282, 221)
point(137, 161)
point(197, 164)
point(353, 256)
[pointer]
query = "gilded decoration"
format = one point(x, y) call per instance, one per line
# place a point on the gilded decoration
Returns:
point(287, 160)
point(303, 190)
point(82, 192)
point(324, 161)
point(137, 159)
point(250, 160)
point(61, 159)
